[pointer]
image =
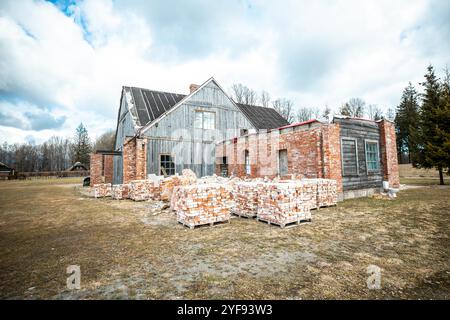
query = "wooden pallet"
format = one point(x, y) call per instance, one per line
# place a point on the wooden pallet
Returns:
point(244, 215)
point(204, 224)
point(284, 225)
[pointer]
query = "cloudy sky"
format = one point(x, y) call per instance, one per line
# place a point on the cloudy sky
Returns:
point(64, 62)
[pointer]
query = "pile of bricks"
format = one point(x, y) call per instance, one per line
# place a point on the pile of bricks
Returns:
point(203, 204)
point(140, 190)
point(245, 195)
point(281, 203)
point(168, 185)
point(119, 191)
point(101, 190)
point(327, 194)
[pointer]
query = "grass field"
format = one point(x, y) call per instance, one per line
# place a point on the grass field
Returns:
point(126, 252)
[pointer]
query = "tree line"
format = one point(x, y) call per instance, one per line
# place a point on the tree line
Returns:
point(355, 107)
point(55, 154)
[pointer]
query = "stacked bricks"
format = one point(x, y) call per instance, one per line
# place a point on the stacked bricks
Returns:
point(389, 153)
point(101, 190)
point(281, 203)
point(327, 192)
point(245, 195)
point(120, 191)
point(141, 190)
point(169, 184)
point(203, 204)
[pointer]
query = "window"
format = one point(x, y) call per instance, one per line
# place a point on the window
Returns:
point(282, 162)
point(166, 165)
point(247, 163)
point(205, 120)
point(372, 159)
point(349, 153)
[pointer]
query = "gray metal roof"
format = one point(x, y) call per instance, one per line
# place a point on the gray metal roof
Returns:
point(151, 104)
point(262, 117)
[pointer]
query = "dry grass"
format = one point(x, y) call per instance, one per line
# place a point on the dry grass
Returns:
point(126, 252)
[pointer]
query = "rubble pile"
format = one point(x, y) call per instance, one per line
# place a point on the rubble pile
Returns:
point(101, 190)
point(201, 204)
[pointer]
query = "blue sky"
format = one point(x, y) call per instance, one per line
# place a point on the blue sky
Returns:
point(64, 62)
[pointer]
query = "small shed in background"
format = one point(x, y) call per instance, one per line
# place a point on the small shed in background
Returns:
point(5, 171)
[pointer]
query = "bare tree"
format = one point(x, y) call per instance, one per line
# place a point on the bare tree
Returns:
point(304, 114)
point(105, 141)
point(373, 112)
point(326, 115)
point(353, 108)
point(284, 108)
point(265, 99)
point(243, 94)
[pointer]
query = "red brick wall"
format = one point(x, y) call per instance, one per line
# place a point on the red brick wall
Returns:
point(312, 153)
point(96, 168)
point(134, 155)
point(101, 168)
point(389, 153)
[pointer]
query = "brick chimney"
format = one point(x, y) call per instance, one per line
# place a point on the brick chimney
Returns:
point(193, 87)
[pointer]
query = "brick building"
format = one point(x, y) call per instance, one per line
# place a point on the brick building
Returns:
point(359, 154)
point(163, 133)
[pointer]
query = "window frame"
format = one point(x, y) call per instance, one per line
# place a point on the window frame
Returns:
point(377, 143)
point(356, 153)
point(173, 161)
point(202, 113)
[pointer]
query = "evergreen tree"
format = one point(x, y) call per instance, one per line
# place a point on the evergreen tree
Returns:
point(81, 147)
point(432, 136)
point(406, 121)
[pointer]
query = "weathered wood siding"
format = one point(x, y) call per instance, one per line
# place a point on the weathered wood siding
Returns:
point(358, 177)
point(126, 127)
point(194, 148)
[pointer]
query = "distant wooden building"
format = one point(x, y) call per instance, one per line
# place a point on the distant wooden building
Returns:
point(77, 166)
point(5, 171)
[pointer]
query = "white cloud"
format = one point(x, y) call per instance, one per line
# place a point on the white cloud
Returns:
point(316, 53)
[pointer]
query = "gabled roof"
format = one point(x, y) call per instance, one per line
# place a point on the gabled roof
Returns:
point(4, 167)
point(151, 104)
point(262, 117)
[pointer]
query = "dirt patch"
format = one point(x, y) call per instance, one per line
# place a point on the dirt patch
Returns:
point(129, 250)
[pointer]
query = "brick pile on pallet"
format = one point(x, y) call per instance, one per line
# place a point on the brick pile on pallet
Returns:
point(101, 190)
point(245, 195)
point(141, 190)
point(203, 204)
point(281, 203)
point(170, 183)
point(327, 194)
point(119, 191)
